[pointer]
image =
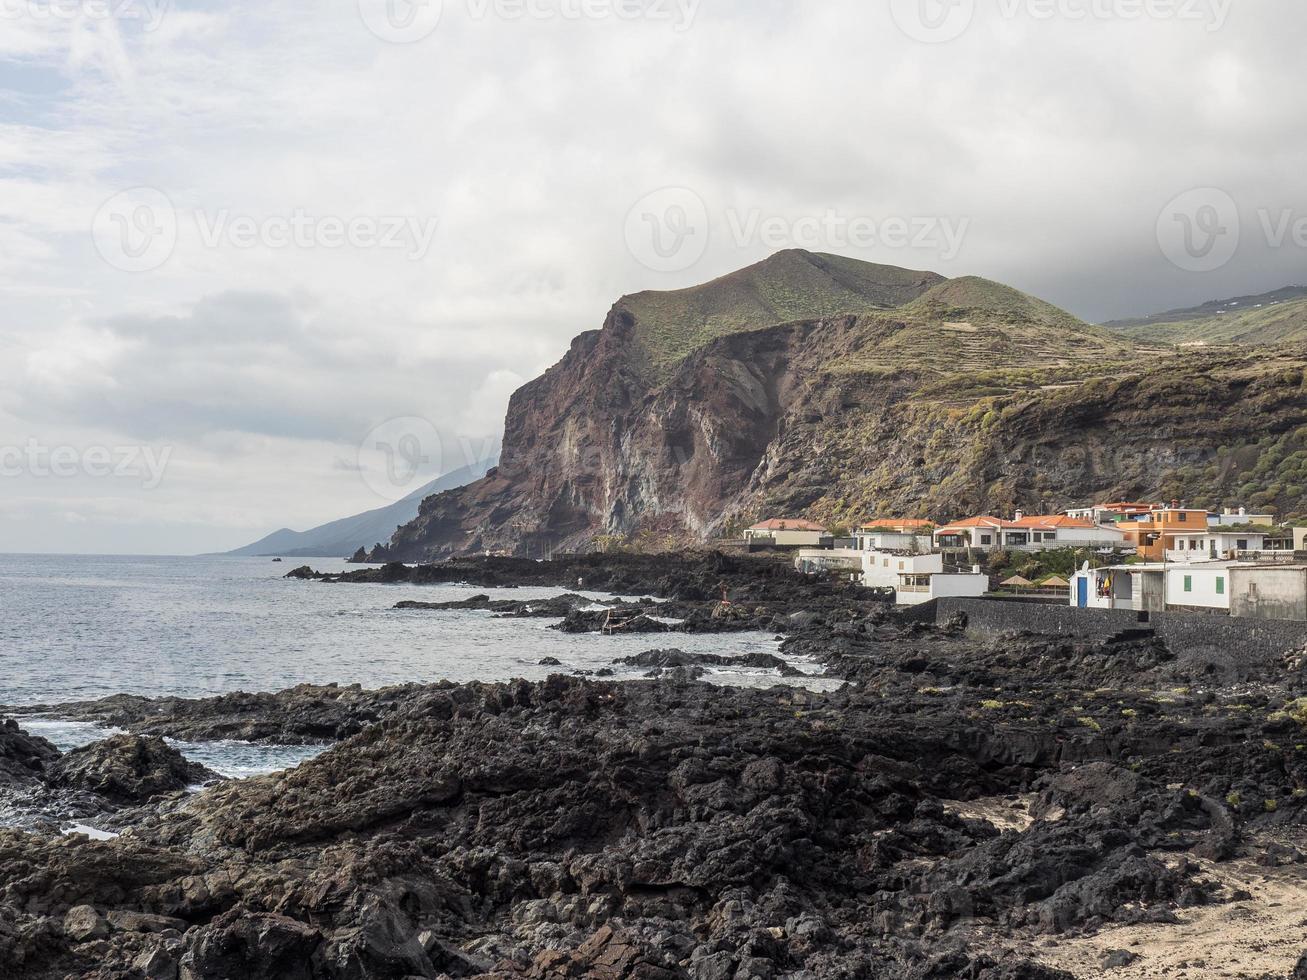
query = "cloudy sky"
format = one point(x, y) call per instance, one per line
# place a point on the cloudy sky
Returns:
point(267, 264)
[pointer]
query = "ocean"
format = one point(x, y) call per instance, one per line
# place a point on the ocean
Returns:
point(84, 627)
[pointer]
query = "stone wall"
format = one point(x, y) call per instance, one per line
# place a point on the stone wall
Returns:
point(1229, 640)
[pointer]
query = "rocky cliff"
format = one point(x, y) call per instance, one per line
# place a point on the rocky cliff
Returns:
point(694, 412)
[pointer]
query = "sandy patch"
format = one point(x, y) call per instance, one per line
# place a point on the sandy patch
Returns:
point(1258, 937)
point(1004, 812)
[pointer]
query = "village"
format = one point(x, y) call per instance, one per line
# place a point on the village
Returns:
point(1144, 557)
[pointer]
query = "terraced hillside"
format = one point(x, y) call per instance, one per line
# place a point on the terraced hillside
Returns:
point(972, 325)
point(1278, 317)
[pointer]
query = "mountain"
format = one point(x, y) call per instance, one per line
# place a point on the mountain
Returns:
point(344, 537)
point(692, 413)
point(1276, 317)
point(791, 285)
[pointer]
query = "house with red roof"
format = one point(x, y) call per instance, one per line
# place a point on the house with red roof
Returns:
point(1027, 533)
point(897, 525)
point(974, 532)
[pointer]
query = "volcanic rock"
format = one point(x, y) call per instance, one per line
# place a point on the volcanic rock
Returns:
point(128, 769)
point(24, 758)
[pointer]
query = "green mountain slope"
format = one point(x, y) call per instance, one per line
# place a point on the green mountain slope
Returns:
point(972, 327)
point(791, 285)
point(1278, 317)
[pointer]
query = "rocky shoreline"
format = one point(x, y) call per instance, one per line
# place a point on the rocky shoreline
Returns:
point(958, 807)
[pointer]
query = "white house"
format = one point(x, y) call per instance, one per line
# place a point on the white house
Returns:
point(1113, 587)
point(1154, 587)
point(1028, 534)
point(1060, 531)
point(1240, 518)
point(882, 569)
point(985, 533)
point(1213, 545)
point(895, 534)
point(1202, 588)
point(919, 578)
point(868, 540)
point(915, 588)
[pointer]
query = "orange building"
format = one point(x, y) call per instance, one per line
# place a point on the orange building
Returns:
point(1153, 537)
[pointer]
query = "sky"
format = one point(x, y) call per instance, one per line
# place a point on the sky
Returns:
point(270, 264)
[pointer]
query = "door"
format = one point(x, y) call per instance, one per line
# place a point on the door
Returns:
point(1152, 592)
point(1082, 592)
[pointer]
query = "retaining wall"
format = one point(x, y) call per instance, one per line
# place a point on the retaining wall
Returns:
point(1226, 639)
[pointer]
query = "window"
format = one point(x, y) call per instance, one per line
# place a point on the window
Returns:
point(1184, 518)
point(986, 539)
point(1188, 583)
point(1241, 545)
point(1220, 585)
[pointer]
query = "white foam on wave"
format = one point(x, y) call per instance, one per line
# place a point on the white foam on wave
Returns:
point(88, 831)
point(227, 757)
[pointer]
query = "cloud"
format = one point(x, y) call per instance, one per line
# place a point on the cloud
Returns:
point(257, 364)
point(525, 143)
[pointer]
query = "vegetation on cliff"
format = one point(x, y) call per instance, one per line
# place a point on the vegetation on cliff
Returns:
point(791, 285)
point(1278, 317)
point(809, 385)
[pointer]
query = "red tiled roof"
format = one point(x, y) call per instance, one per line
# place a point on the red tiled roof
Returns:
point(990, 522)
point(788, 524)
point(898, 522)
point(1038, 522)
point(1054, 521)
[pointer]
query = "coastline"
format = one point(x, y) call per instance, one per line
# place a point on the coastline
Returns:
point(667, 827)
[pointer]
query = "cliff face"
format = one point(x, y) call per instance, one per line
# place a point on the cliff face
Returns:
point(592, 449)
point(969, 397)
